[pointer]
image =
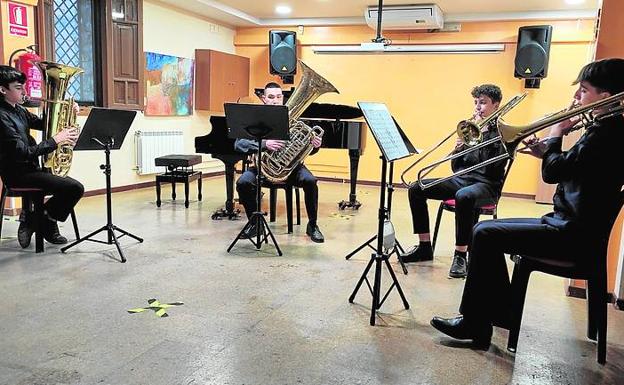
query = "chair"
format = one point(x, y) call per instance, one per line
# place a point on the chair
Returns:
point(288, 191)
point(488, 209)
point(37, 196)
point(594, 273)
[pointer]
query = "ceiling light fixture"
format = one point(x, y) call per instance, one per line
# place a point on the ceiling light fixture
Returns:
point(574, 2)
point(283, 9)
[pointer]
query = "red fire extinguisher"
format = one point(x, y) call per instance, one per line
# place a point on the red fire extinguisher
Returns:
point(34, 82)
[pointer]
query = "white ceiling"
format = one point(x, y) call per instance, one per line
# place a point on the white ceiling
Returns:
point(307, 12)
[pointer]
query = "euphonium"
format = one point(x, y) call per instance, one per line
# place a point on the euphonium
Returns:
point(58, 113)
point(277, 165)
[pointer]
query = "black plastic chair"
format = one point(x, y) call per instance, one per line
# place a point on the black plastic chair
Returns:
point(595, 273)
point(487, 209)
point(36, 196)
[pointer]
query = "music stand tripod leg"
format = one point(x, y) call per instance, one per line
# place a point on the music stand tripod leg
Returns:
point(363, 245)
point(263, 232)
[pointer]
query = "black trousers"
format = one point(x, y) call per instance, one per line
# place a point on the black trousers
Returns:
point(300, 177)
point(66, 192)
point(468, 197)
point(487, 287)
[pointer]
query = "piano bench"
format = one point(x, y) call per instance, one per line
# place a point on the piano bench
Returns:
point(179, 170)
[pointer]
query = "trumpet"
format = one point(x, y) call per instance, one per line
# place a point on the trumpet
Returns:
point(511, 136)
point(470, 133)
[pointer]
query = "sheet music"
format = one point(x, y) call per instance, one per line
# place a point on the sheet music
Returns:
point(384, 130)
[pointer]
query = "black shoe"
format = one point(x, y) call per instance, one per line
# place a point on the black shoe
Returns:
point(51, 233)
point(250, 232)
point(422, 252)
point(459, 266)
point(315, 233)
point(24, 234)
point(459, 328)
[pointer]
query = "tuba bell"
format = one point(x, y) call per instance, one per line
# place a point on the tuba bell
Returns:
point(58, 113)
point(278, 165)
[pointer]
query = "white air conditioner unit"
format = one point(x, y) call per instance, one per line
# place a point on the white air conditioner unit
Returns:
point(419, 16)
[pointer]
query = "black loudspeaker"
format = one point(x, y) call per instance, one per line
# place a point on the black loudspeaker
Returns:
point(283, 53)
point(532, 52)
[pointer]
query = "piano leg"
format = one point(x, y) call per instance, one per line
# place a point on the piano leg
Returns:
point(229, 210)
point(354, 160)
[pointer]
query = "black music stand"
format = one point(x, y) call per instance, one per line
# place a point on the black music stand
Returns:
point(397, 249)
point(105, 129)
point(393, 146)
point(257, 122)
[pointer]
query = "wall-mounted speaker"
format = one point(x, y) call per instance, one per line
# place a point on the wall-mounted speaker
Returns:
point(283, 53)
point(532, 53)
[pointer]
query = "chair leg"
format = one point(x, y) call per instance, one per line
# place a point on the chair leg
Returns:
point(437, 226)
point(186, 193)
point(157, 192)
point(272, 203)
point(38, 202)
point(298, 205)
point(519, 283)
point(597, 313)
point(289, 208)
point(75, 223)
point(2, 200)
point(199, 187)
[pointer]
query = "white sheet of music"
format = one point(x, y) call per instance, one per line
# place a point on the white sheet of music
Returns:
point(384, 130)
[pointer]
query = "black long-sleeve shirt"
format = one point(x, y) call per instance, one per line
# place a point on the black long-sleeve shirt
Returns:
point(589, 179)
point(491, 174)
point(19, 152)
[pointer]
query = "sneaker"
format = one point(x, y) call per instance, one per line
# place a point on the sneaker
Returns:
point(24, 234)
point(51, 233)
point(422, 252)
point(459, 266)
point(315, 233)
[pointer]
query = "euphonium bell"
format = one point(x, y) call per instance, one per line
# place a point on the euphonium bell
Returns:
point(58, 113)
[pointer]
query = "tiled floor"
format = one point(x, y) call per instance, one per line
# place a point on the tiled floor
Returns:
point(251, 317)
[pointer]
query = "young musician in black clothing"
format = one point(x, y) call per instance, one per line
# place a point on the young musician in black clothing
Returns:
point(470, 191)
point(19, 159)
point(300, 177)
point(589, 179)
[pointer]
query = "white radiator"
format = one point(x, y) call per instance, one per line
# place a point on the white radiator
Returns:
point(152, 144)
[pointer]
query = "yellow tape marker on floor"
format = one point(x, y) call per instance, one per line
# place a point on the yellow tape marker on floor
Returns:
point(157, 307)
point(346, 217)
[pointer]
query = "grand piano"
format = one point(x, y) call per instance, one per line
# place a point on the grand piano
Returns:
point(343, 128)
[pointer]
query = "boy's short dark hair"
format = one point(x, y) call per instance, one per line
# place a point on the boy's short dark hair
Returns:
point(490, 90)
point(9, 75)
point(272, 85)
point(606, 75)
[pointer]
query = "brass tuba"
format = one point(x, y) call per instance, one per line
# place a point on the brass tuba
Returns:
point(58, 113)
point(277, 165)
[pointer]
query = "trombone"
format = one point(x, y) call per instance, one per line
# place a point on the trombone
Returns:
point(511, 136)
point(470, 134)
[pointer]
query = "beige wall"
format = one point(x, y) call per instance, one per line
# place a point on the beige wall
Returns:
point(166, 31)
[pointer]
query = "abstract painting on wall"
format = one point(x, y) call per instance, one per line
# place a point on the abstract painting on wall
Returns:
point(169, 85)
